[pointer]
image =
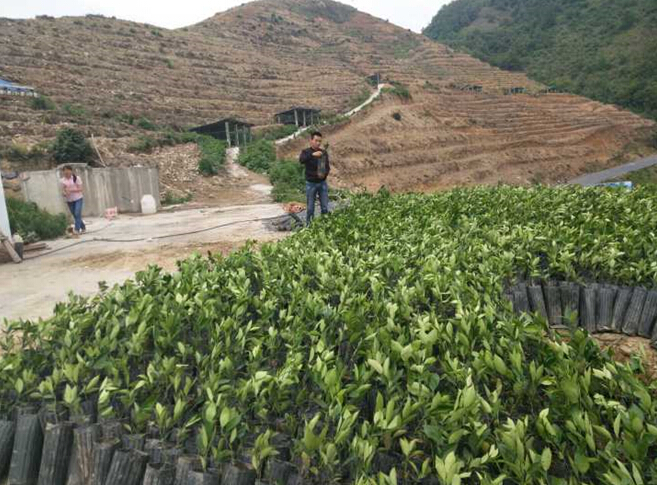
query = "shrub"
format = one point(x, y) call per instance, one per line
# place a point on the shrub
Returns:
point(400, 90)
point(18, 152)
point(74, 110)
point(169, 63)
point(33, 223)
point(171, 138)
point(147, 143)
point(213, 155)
point(287, 177)
point(42, 103)
point(258, 156)
point(171, 198)
point(71, 146)
point(146, 124)
point(334, 119)
point(397, 116)
point(127, 118)
point(144, 144)
point(653, 138)
point(276, 132)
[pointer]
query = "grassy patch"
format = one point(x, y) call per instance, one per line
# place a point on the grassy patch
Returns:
point(147, 143)
point(646, 176)
point(146, 124)
point(42, 103)
point(276, 132)
point(333, 119)
point(32, 223)
point(258, 156)
point(74, 110)
point(171, 198)
point(400, 90)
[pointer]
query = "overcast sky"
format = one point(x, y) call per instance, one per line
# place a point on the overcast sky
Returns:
point(412, 14)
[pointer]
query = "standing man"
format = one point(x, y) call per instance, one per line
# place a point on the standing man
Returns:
point(316, 160)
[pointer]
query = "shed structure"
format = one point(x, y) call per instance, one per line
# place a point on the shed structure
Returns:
point(374, 79)
point(230, 130)
point(299, 116)
point(550, 90)
point(476, 88)
point(8, 87)
point(515, 90)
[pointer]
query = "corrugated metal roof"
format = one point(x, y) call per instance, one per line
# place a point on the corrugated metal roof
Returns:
point(221, 123)
point(4, 82)
point(298, 108)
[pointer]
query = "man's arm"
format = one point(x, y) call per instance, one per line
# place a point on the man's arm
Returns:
point(305, 156)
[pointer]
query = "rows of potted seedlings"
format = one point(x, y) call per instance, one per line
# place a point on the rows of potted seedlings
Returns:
point(375, 347)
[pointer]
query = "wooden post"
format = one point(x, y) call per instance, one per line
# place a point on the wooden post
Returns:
point(244, 134)
point(250, 136)
point(237, 134)
point(304, 118)
point(100, 157)
point(10, 249)
point(296, 118)
point(228, 133)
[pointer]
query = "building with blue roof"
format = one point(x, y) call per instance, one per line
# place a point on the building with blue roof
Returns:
point(10, 88)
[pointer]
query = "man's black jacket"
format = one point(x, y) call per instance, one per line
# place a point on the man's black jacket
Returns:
point(317, 168)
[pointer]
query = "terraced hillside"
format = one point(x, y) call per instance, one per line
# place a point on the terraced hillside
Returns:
point(105, 75)
point(449, 137)
point(251, 61)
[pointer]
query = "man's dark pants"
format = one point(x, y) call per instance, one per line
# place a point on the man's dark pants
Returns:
point(312, 190)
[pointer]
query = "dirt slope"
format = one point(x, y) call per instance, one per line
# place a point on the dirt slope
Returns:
point(446, 138)
point(251, 61)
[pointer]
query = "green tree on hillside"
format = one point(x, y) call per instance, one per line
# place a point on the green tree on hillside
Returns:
point(604, 50)
point(71, 146)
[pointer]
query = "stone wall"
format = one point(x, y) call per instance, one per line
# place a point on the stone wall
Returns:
point(103, 188)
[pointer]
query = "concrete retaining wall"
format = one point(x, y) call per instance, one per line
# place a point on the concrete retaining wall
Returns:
point(103, 188)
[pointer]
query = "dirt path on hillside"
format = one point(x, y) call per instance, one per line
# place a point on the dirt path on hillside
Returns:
point(180, 177)
point(113, 251)
point(349, 114)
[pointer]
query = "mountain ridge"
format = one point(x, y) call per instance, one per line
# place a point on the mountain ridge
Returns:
point(603, 50)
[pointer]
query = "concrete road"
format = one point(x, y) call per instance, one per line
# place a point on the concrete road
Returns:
point(591, 179)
